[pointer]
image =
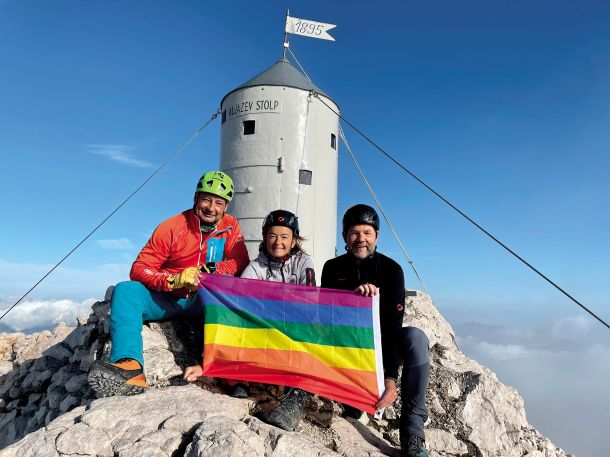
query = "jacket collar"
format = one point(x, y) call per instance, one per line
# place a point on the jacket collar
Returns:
point(194, 223)
point(192, 220)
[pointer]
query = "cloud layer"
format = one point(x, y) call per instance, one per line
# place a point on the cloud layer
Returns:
point(38, 315)
point(121, 153)
point(560, 369)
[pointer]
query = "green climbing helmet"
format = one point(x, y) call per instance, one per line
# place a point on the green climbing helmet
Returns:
point(217, 183)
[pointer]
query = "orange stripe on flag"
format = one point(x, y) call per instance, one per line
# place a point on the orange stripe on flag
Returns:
point(300, 368)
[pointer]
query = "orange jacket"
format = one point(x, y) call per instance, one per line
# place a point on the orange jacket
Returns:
point(178, 243)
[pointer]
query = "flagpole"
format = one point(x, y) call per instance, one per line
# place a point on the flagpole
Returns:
point(285, 36)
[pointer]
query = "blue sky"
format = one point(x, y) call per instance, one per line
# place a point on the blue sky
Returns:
point(500, 106)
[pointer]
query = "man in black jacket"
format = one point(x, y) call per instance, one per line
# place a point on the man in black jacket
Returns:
point(368, 272)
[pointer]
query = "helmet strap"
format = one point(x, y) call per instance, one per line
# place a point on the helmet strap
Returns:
point(282, 261)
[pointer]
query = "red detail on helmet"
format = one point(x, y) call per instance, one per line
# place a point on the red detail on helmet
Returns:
point(280, 219)
point(399, 307)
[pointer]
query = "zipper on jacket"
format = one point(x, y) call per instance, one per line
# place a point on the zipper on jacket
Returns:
point(200, 248)
point(210, 235)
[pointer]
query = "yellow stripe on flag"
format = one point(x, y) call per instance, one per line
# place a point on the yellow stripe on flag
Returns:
point(266, 338)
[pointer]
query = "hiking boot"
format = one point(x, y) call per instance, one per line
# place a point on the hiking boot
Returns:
point(123, 377)
point(289, 412)
point(415, 447)
point(239, 391)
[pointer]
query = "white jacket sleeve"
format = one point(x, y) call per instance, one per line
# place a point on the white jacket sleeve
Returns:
point(250, 272)
point(306, 271)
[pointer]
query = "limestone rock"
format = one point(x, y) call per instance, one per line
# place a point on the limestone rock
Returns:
point(441, 439)
point(354, 439)
point(224, 437)
point(279, 443)
point(68, 403)
point(7, 348)
point(420, 312)
point(81, 439)
point(5, 367)
point(32, 346)
point(76, 383)
point(162, 421)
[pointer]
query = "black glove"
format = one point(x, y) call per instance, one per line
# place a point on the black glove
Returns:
point(209, 267)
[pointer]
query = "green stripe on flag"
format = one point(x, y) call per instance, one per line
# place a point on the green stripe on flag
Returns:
point(328, 335)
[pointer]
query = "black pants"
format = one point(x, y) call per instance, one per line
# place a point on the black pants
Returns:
point(415, 374)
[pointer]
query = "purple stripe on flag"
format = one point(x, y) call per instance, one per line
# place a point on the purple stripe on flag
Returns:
point(297, 293)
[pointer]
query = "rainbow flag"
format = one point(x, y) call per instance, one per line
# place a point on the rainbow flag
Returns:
point(324, 341)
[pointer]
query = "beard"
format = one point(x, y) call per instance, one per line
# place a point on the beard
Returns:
point(363, 254)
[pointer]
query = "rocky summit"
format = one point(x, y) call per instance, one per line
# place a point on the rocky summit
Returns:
point(48, 409)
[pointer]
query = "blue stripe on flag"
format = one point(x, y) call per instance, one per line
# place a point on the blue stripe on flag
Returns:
point(289, 311)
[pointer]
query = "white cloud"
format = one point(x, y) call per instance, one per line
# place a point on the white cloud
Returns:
point(121, 153)
point(45, 313)
point(498, 352)
point(117, 244)
point(561, 371)
point(580, 325)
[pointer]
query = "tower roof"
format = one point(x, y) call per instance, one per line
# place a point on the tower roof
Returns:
point(281, 73)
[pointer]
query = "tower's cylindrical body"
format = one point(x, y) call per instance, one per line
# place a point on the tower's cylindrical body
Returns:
point(279, 144)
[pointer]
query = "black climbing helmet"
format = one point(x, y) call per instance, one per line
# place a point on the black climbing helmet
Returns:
point(360, 214)
point(282, 218)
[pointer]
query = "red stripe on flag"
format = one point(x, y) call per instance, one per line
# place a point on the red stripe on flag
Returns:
point(292, 368)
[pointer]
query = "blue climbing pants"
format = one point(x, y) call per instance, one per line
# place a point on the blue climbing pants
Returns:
point(133, 304)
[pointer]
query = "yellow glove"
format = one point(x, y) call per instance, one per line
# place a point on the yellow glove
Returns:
point(187, 278)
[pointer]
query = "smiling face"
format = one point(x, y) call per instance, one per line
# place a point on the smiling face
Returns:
point(361, 240)
point(209, 208)
point(279, 241)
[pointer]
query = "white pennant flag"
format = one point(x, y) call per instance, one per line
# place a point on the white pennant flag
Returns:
point(309, 28)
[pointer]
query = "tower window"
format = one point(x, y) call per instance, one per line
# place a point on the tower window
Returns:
point(305, 177)
point(333, 141)
point(248, 127)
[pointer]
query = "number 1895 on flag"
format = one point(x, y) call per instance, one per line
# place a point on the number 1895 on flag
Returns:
point(312, 29)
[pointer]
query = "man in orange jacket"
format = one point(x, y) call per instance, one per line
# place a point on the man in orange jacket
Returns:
point(165, 277)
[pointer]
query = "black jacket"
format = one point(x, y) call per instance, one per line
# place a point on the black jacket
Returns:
point(344, 273)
